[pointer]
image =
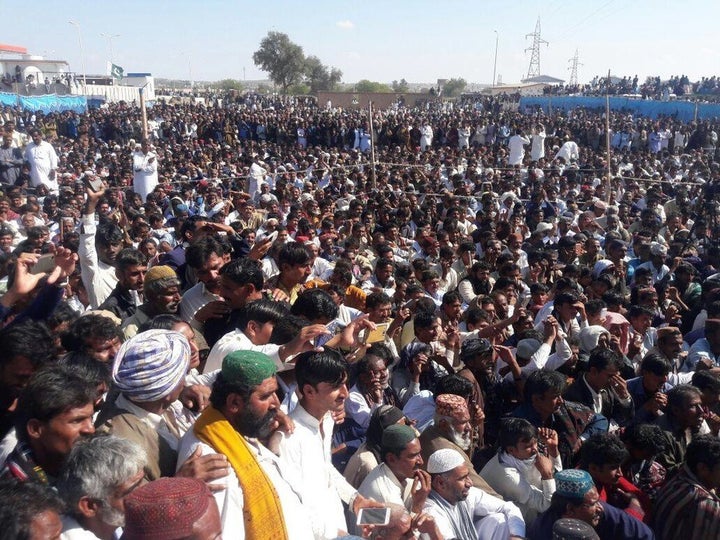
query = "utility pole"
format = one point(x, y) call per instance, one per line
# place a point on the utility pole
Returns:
point(110, 38)
point(573, 69)
point(82, 52)
point(534, 68)
point(497, 39)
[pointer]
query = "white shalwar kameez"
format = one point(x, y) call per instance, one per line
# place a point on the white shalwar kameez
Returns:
point(145, 173)
point(43, 160)
point(494, 519)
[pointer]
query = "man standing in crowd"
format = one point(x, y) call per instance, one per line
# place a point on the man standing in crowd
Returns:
point(11, 160)
point(130, 270)
point(145, 168)
point(98, 250)
point(161, 290)
point(43, 162)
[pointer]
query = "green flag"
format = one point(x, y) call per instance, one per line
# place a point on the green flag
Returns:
point(116, 72)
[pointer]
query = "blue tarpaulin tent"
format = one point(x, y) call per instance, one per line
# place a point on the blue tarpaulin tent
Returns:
point(682, 110)
point(47, 104)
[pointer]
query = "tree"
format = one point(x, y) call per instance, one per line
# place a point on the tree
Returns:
point(319, 76)
point(282, 59)
point(299, 89)
point(371, 86)
point(400, 87)
point(229, 84)
point(454, 87)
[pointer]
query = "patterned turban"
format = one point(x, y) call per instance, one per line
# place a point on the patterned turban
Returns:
point(165, 509)
point(573, 483)
point(150, 365)
point(451, 405)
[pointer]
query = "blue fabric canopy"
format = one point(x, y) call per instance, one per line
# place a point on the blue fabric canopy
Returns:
point(682, 110)
point(47, 104)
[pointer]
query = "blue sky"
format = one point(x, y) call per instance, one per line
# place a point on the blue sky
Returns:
point(418, 40)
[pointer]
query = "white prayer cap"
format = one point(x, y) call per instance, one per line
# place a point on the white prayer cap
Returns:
point(444, 460)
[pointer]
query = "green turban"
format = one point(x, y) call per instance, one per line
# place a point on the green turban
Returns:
point(249, 368)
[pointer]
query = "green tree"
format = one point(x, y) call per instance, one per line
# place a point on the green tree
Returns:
point(299, 89)
point(320, 76)
point(400, 87)
point(229, 84)
point(282, 59)
point(371, 86)
point(454, 87)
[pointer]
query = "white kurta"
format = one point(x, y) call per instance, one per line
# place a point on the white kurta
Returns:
point(516, 146)
point(494, 518)
point(194, 299)
point(537, 150)
point(145, 173)
point(321, 487)
point(98, 277)
point(382, 485)
point(238, 341)
point(231, 499)
point(569, 150)
point(426, 137)
point(522, 484)
point(43, 160)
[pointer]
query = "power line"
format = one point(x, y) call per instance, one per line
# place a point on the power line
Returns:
point(573, 69)
point(534, 68)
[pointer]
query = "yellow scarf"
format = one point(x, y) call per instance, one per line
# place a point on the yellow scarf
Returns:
point(262, 511)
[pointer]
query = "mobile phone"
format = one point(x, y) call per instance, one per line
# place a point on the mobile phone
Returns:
point(373, 516)
point(377, 335)
point(95, 184)
point(44, 265)
point(333, 328)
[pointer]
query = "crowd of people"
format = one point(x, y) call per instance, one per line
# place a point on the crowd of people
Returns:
point(676, 87)
point(269, 318)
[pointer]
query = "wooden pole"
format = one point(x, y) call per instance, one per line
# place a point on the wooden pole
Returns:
point(373, 178)
point(607, 137)
point(144, 113)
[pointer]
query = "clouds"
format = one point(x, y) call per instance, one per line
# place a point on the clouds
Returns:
point(345, 24)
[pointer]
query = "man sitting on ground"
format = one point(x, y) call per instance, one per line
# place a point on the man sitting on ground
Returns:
point(519, 472)
point(464, 511)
